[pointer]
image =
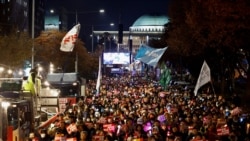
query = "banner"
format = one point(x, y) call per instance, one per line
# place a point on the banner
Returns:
point(150, 56)
point(69, 40)
point(71, 128)
point(204, 77)
point(109, 128)
point(223, 131)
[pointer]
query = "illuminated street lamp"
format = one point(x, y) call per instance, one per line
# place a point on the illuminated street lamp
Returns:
point(51, 68)
point(20, 72)
point(10, 71)
point(1, 69)
point(52, 11)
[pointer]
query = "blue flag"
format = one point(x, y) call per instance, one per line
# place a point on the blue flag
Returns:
point(142, 51)
point(150, 56)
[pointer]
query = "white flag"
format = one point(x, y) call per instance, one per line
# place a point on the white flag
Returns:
point(99, 77)
point(204, 77)
point(69, 40)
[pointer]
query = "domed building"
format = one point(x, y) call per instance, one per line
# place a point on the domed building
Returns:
point(149, 24)
point(144, 29)
point(147, 27)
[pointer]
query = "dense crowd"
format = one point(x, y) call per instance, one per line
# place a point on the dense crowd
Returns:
point(136, 108)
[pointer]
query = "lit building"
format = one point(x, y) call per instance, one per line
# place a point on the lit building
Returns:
point(56, 19)
point(17, 15)
point(143, 30)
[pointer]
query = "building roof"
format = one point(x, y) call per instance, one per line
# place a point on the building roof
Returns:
point(151, 20)
point(150, 24)
point(62, 77)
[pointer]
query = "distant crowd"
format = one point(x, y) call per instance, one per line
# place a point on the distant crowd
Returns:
point(136, 108)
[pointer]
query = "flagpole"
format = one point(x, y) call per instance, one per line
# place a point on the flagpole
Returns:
point(76, 63)
point(212, 87)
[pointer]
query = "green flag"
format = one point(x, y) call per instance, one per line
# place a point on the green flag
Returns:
point(165, 77)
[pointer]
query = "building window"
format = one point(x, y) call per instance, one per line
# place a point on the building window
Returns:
point(19, 2)
point(25, 3)
point(25, 13)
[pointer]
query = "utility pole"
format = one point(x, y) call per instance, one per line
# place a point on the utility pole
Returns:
point(92, 41)
point(120, 29)
point(33, 33)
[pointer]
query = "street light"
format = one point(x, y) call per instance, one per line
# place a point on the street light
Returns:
point(4, 69)
point(85, 12)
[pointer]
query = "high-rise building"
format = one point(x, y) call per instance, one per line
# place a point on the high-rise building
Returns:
point(16, 15)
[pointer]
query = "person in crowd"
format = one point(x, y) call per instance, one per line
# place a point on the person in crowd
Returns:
point(139, 132)
point(90, 130)
point(134, 103)
point(210, 133)
point(193, 133)
point(156, 134)
point(83, 136)
point(62, 129)
point(43, 135)
point(60, 118)
point(72, 127)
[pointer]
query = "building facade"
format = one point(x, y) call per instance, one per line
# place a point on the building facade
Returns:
point(56, 19)
point(142, 31)
point(16, 16)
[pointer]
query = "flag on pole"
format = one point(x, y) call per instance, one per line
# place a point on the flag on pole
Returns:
point(149, 55)
point(69, 40)
point(165, 76)
point(98, 83)
point(203, 78)
point(142, 51)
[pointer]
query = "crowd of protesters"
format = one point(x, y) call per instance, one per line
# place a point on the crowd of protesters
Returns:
point(136, 108)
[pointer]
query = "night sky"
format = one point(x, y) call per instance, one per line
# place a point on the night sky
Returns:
point(116, 11)
point(125, 12)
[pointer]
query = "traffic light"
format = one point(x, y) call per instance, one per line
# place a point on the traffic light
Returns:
point(120, 33)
